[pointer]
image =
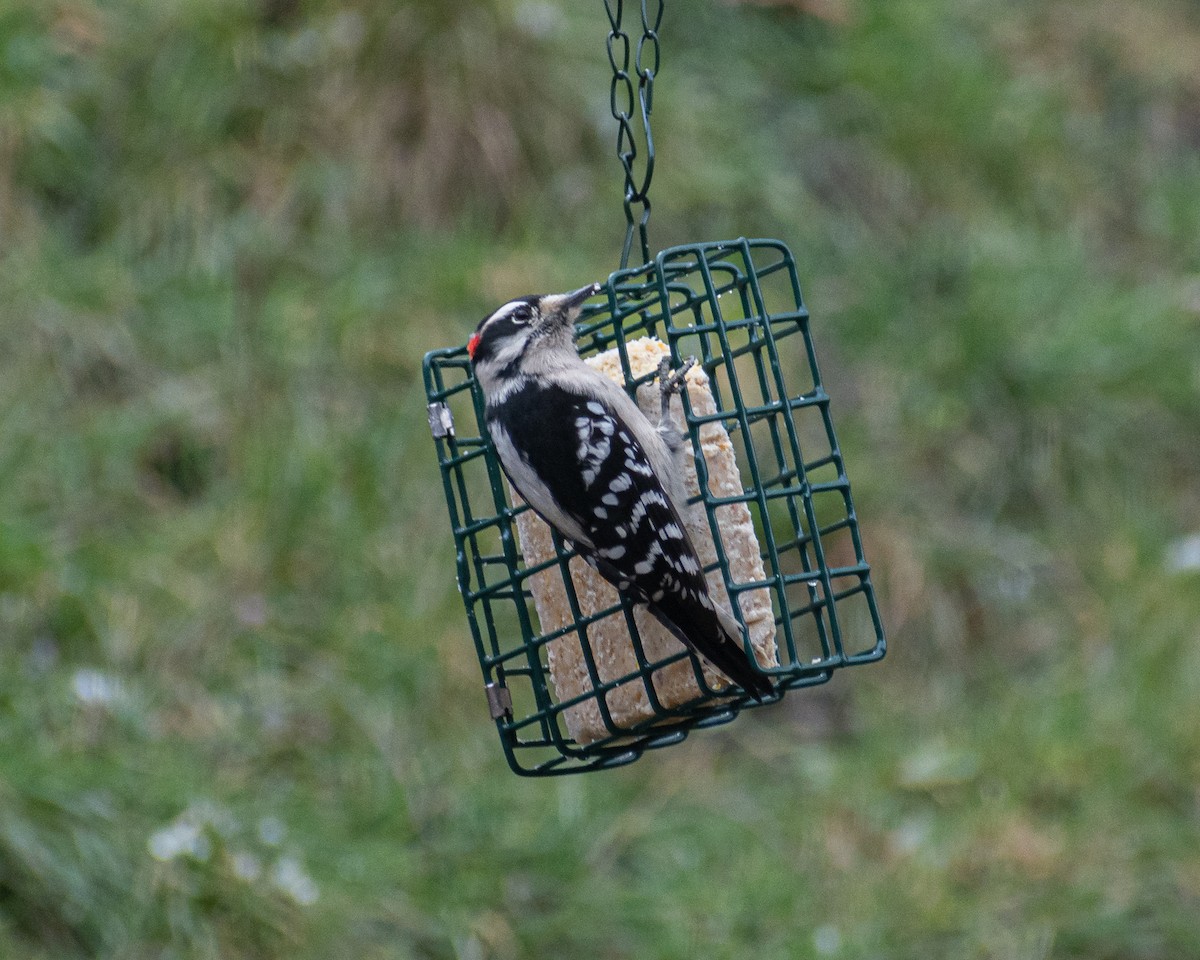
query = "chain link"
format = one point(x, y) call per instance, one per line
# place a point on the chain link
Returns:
point(622, 103)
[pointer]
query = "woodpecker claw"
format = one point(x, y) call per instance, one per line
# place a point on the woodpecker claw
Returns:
point(669, 383)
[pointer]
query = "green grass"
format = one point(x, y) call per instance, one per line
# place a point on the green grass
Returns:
point(239, 714)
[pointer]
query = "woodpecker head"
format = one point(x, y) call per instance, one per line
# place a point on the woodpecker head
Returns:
point(525, 336)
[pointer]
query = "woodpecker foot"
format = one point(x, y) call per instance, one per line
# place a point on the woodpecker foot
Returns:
point(669, 383)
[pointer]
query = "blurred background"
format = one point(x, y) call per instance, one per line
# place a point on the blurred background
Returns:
point(240, 716)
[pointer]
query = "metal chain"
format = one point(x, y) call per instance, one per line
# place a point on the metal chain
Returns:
point(621, 100)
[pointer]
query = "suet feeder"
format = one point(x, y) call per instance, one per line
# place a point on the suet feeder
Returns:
point(805, 592)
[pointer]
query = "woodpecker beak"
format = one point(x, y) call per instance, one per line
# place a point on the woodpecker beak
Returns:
point(567, 305)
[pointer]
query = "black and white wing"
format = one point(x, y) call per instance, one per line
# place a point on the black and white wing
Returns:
point(584, 471)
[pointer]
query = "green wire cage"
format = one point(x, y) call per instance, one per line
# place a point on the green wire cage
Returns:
point(736, 306)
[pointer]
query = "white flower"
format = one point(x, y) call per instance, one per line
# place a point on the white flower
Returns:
point(1183, 556)
point(94, 688)
point(271, 831)
point(290, 877)
point(827, 940)
point(177, 839)
point(247, 867)
point(187, 834)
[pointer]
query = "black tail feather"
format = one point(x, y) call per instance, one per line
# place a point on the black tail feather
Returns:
point(708, 631)
point(704, 633)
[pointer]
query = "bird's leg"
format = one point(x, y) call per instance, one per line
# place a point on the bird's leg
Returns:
point(669, 383)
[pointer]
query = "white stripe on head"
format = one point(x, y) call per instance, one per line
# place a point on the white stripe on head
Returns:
point(507, 309)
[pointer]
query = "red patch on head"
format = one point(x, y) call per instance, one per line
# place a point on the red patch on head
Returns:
point(472, 345)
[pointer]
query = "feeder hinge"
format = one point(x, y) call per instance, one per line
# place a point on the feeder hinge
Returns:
point(441, 421)
point(499, 701)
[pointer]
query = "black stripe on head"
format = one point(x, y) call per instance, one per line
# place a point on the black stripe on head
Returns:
point(501, 324)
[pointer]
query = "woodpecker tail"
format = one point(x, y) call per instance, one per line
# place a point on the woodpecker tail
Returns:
point(697, 623)
point(714, 635)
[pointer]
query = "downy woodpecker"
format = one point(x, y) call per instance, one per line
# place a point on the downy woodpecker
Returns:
point(588, 462)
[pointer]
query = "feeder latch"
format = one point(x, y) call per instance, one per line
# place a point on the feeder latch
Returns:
point(499, 700)
point(441, 421)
